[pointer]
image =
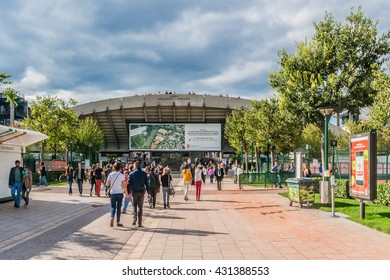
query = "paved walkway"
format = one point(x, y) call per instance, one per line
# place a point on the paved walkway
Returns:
point(227, 224)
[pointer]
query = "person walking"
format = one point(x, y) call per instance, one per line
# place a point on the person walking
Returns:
point(117, 183)
point(211, 174)
point(187, 179)
point(98, 179)
point(235, 174)
point(26, 185)
point(79, 176)
point(107, 172)
point(204, 171)
point(240, 173)
point(138, 181)
point(198, 180)
point(154, 184)
point(15, 182)
point(69, 176)
point(92, 179)
point(126, 201)
point(42, 174)
point(219, 173)
point(166, 179)
point(276, 169)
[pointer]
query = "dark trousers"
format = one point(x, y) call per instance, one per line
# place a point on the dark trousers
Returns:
point(25, 195)
point(219, 184)
point(116, 204)
point(80, 185)
point(138, 202)
point(153, 193)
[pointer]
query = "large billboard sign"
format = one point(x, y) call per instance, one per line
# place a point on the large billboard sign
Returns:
point(363, 166)
point(175, 137)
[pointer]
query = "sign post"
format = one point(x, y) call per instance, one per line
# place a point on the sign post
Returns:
point(363, 173)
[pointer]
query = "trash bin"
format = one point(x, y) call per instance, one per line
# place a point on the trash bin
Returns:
point(301, 191)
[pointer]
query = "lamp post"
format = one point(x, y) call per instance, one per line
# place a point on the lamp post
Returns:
point(327, 113)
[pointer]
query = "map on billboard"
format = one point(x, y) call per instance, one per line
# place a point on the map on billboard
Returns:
point(175, 137)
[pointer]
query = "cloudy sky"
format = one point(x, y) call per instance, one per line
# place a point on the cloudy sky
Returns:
point(92, 50)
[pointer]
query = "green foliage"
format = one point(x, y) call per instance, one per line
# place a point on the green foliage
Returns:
point(336, 68)
point(50, 177)
point(236, 129)
point(353, 127)
point(53, 117)
point(312, 135)
point(342, 188)
point(11, 93)
point(88, 136)
point(380, 111)
point(383, 194)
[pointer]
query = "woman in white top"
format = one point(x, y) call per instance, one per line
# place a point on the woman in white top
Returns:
point(117, 183)
point(198, 180)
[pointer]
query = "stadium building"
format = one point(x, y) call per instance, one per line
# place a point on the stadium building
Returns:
point(163, 127)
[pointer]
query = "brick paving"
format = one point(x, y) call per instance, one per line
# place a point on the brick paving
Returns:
point(227, 224)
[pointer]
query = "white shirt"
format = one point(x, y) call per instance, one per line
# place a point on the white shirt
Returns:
point(198, 174)
point(239, 171)
point(116, 179)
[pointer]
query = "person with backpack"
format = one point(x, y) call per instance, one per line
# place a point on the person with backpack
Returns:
point(154, 185)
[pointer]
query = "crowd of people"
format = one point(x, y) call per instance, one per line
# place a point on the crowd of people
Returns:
point(125, 184)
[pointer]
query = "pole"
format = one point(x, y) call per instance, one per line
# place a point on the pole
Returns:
point(333, 215)
point(362, 210)
point(326, 167)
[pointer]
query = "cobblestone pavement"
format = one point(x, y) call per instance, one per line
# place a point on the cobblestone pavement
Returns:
point(227, 224)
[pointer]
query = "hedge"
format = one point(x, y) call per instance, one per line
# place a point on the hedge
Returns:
point(383, 194)
point(341, 189)
point(50, 177)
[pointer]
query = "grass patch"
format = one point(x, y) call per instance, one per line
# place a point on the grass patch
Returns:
point(377, 216)
point(56, 184)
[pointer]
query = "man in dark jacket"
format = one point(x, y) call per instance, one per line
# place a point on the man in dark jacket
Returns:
point(218, 173)
point(15, 182)
point(138, 181)
point(79, 176)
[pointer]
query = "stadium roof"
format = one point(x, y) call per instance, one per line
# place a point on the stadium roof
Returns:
point(114, 115)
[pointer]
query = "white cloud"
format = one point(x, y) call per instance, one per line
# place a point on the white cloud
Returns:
point(32, 79)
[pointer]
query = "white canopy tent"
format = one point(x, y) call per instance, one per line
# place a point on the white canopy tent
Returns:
point(13, 142)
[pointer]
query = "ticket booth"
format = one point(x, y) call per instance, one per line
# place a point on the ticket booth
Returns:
point(13, 142)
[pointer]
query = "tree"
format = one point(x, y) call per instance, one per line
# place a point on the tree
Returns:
point(271, 124)
point(53, 117)
point(336, 68)
point(312, 135)
point(88, 137)
point(236, 131)
point(380, 111)
point(12, 95)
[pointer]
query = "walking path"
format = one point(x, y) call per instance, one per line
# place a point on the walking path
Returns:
point(227, 224)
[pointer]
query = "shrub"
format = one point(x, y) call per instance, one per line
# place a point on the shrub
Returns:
point(342, 188)
point(50, 177)
point(383, 194)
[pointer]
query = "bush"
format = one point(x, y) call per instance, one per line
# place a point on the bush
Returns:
point(383, 194)
point(341, 188)
point(50, 177)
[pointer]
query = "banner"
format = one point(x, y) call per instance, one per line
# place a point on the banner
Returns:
point(175, 137)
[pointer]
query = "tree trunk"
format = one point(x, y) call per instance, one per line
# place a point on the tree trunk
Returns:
point(43, 151)
point(11, 114)
point(246, 162)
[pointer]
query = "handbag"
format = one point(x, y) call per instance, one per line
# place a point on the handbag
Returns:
point(171, 189)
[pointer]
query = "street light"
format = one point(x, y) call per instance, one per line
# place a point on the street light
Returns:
point(327, 112)
point(324, 187)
